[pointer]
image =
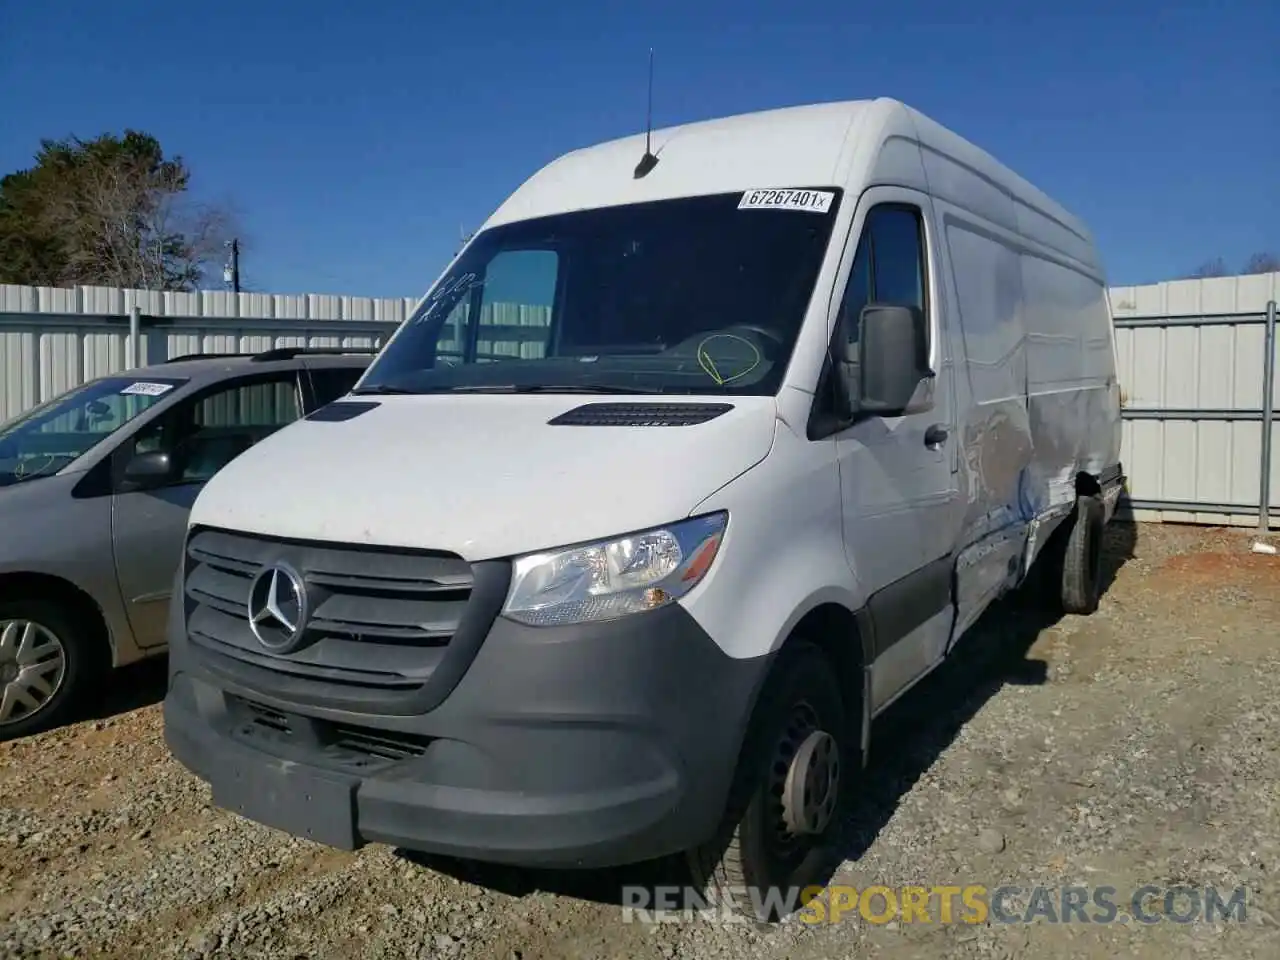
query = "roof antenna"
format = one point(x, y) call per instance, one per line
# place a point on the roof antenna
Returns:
point(648, 161)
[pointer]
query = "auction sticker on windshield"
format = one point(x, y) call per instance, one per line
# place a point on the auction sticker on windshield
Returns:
point(812, 201)
point(144, 389)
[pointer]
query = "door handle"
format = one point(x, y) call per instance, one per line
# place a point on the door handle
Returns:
point(935, 436)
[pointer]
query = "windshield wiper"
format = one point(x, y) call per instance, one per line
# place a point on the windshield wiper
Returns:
point(382, 390)
point(546, 388)
point(387, 391)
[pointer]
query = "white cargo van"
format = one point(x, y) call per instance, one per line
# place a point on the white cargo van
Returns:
point(678, 475)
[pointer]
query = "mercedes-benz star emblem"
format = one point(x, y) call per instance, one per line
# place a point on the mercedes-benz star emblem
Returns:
point(278, 608)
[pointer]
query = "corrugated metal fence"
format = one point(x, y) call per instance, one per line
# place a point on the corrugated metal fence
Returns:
point(1194, 359)
point(1197, 364)
point(52, 339)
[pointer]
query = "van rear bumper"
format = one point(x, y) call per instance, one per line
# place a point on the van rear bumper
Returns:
point(585, 746)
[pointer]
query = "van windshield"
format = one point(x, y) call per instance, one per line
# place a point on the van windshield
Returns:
point(693, 296)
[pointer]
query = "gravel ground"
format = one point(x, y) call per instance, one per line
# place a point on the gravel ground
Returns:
point(1137, 746)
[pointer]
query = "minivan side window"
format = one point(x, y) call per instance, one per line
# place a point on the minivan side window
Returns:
point(330, 383)
point(889, 268)
point(204, 436)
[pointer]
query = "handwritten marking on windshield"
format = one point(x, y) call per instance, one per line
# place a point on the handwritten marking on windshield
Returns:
point(23, 472)
point(709, 366)
point(459, 284)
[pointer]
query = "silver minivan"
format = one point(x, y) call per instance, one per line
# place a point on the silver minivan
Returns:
point(95, 489)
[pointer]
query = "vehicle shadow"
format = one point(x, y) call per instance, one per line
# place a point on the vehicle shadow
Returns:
point(130, 688)
point(996, 653)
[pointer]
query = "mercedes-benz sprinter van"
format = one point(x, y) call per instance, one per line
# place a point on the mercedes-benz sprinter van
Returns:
point(690, 463)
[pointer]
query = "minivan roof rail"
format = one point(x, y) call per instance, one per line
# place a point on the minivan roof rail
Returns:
point(183, 357)
point(276, 353)
point(288, 353)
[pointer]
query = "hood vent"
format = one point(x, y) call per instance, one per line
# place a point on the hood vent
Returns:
point(341, 410)
point(640, 414)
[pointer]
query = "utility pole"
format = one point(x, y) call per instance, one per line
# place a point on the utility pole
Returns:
point(231, 272)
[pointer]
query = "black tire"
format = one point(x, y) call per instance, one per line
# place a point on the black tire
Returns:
point(1067, 577)
point(751, 852)
point(82, 653)
point(1081, 582)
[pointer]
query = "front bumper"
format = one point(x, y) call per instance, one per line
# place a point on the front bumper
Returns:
point(585, 746)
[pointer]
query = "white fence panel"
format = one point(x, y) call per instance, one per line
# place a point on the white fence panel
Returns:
point(52, 339)
point(1190, 357)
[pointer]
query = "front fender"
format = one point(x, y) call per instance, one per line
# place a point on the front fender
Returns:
point(49, 533)
point(783, 553)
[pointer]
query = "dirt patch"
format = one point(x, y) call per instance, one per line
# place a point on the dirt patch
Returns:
point(1220, 567)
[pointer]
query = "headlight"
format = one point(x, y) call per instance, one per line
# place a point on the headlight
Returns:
point(613, 578)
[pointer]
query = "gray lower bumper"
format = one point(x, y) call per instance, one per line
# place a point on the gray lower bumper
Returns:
point(585, 746)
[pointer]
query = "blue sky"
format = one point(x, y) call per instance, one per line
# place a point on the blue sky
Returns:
point(358, 139)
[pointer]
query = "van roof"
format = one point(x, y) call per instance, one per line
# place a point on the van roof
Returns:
point(791, 146)
point(814, 145)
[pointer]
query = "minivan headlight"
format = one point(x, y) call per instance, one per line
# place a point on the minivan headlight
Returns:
point(613, 578)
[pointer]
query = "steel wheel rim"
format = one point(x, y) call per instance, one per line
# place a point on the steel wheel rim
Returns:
point(812, 785)
point(802, 733)
point(33, 667)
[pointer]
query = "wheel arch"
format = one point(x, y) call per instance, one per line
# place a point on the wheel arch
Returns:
point(1087, 485)
point(843, 636)
point(46, 586)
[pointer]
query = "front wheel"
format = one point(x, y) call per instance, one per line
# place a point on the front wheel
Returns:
point(784, 805)
point(44, 666)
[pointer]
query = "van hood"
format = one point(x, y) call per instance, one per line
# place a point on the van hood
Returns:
point(487, 476)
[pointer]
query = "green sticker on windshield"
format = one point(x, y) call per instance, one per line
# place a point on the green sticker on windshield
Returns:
point(145, 389)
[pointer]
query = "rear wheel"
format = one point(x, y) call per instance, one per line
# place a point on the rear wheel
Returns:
point(45, 665)
point(787, 794)
point(1082, 564)
point(1070, 578)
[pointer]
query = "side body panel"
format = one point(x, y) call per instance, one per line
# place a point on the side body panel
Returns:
point(52, 533)
point(1039, 369)
point(148, 530)
point(994, 429)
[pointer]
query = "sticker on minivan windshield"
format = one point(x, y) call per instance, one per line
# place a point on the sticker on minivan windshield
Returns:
point(144, 389)
point(812, 201)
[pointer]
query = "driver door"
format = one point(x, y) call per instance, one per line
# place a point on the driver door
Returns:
point(898, 479)
point(202, 435)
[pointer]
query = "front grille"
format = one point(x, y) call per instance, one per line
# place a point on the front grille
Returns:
point(323, 741)
point(378, 744)
point(380, 620)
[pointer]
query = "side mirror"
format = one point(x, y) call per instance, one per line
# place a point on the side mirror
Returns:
point(149, 469)
point(893, 358)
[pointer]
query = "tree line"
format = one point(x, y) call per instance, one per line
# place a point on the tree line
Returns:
point(1217, 267)
point(110, 211)
point(115, 211)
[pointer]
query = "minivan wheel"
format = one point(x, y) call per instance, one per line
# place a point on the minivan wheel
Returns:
point(43, 667)
point(1081, 580)
point(787, 794)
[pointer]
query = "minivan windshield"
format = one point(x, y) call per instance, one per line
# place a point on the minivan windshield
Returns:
point(699, 295)
point(48, 437)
